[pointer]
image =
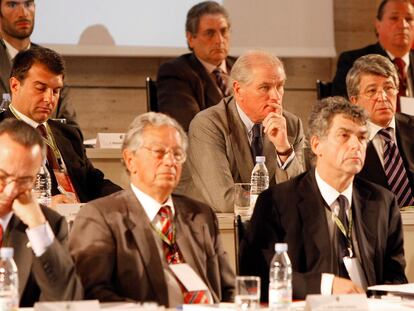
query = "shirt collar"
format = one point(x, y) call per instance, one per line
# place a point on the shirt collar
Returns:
point(11, 50)
point(149, 204)
point(210, 67)
point(374, 128)
point(245, 119)
point(24, 118)
point(330, 194)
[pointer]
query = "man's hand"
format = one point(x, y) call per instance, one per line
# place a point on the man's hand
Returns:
point(26, 207)
point(61, 199)
point(276, 130)
point(345, 286)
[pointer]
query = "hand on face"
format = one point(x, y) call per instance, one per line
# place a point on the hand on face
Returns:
point(26, 207)
point(62, 199)
point(276, 130)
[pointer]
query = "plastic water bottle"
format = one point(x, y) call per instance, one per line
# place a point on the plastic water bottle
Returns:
point(9, 281)
point(43, 187)
point(5, 102)
point(280, 279)
point(259, 179)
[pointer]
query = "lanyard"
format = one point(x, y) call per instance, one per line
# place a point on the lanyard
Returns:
point(341, 227)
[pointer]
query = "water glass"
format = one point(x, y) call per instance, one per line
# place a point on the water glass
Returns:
point(242, 204)
point(247, 295)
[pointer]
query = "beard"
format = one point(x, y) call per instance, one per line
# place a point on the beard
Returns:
point(17, 33)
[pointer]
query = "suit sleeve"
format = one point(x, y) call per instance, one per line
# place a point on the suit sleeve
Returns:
point(209, 165)
point(95, 255)
point(55, 271)
point(179, 93)
point(345, 62)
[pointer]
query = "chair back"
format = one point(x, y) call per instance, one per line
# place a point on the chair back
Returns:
point(323, 89)
point(151, 90)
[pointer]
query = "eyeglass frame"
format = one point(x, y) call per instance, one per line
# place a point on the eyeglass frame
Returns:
point(162, 151)
point(26, 184)
point(385, 89)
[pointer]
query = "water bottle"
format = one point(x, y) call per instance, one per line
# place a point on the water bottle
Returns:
point(5, 102)
point(280, 279)
point(9, 281)
point(43, 187)
point(259, 180)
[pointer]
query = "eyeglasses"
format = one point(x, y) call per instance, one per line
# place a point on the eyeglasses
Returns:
point(159, 153)
point(389, 91)
point(20, 182)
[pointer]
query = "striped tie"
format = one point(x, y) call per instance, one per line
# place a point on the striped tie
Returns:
point(221, 82)
point(164, 224)
point(395, 170)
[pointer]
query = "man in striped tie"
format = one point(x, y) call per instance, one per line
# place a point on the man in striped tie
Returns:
point(133, 245)
point(373, 84)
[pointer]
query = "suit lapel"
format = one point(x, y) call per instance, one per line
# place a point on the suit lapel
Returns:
point(373, 169)
point(5, 67)
point(313, 214)
point(364, 212)
point(187, 234)
point(22, 252)
point(239, 142)
point(137, 222)
point(404, 126)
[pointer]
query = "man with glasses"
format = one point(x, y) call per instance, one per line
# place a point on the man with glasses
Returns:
point(128, 246)
point(37, 234)
point(372, 83)
point(198, 80)
point(17, 18)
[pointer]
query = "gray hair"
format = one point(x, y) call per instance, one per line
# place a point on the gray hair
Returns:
point(133, 138)
point(200, 9)
point(323, 112)
point(243, 67)
point(372, 64)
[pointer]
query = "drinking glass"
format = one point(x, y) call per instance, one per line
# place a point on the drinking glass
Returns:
point(242, 205)
point(247, 295)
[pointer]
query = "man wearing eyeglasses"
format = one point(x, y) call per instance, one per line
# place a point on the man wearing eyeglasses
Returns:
point(17, 18)
point(37, 234)
point(198, 80)
point(373, 84)
point(139, 243)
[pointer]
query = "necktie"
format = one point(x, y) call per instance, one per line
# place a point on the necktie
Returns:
point(395, 170)
point(257, 141)
point(164, 224)
point(402, 91)
point(342, 242)
point(1, 235)
point(51, 158)
point(221, 82)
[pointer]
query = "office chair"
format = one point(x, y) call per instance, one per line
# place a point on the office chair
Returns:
point(151, 90)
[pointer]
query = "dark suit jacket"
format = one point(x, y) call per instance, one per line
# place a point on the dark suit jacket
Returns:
point(64, 109)
point(219, 155)
point(50, 277)
point(374, 171)
point(88, 181)
point(294, 212)
point(116, 255)
point(184, 88)
point(347, 59)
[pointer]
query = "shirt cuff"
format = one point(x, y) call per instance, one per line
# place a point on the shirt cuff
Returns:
point(327, 283)
point(40, 237)
point(287, 162)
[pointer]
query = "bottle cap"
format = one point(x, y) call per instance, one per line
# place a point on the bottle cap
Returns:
point(6, 97)
point(6, 252)
point(260, 159)
point(281, 247)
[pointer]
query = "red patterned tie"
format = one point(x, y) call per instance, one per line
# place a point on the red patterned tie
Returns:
point(51, 158)
point(402, 75)
point(164, 223)
point(395, 170)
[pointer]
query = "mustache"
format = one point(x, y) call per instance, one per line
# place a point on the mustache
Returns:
point(25, 20)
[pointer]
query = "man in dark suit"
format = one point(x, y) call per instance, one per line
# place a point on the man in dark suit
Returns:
point(127, 245)
point(329, 219)
point(220, 151)
point(395, 31)
point(16, 26)
point(373, 84)
point(188, 84)
point(36, 80)
point(37, 234)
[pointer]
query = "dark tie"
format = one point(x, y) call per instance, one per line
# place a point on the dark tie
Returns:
point(395, 170)
point(221, 82)
point(402, 91)
point(164, 224)
point(342, 241)
point(257, 141)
